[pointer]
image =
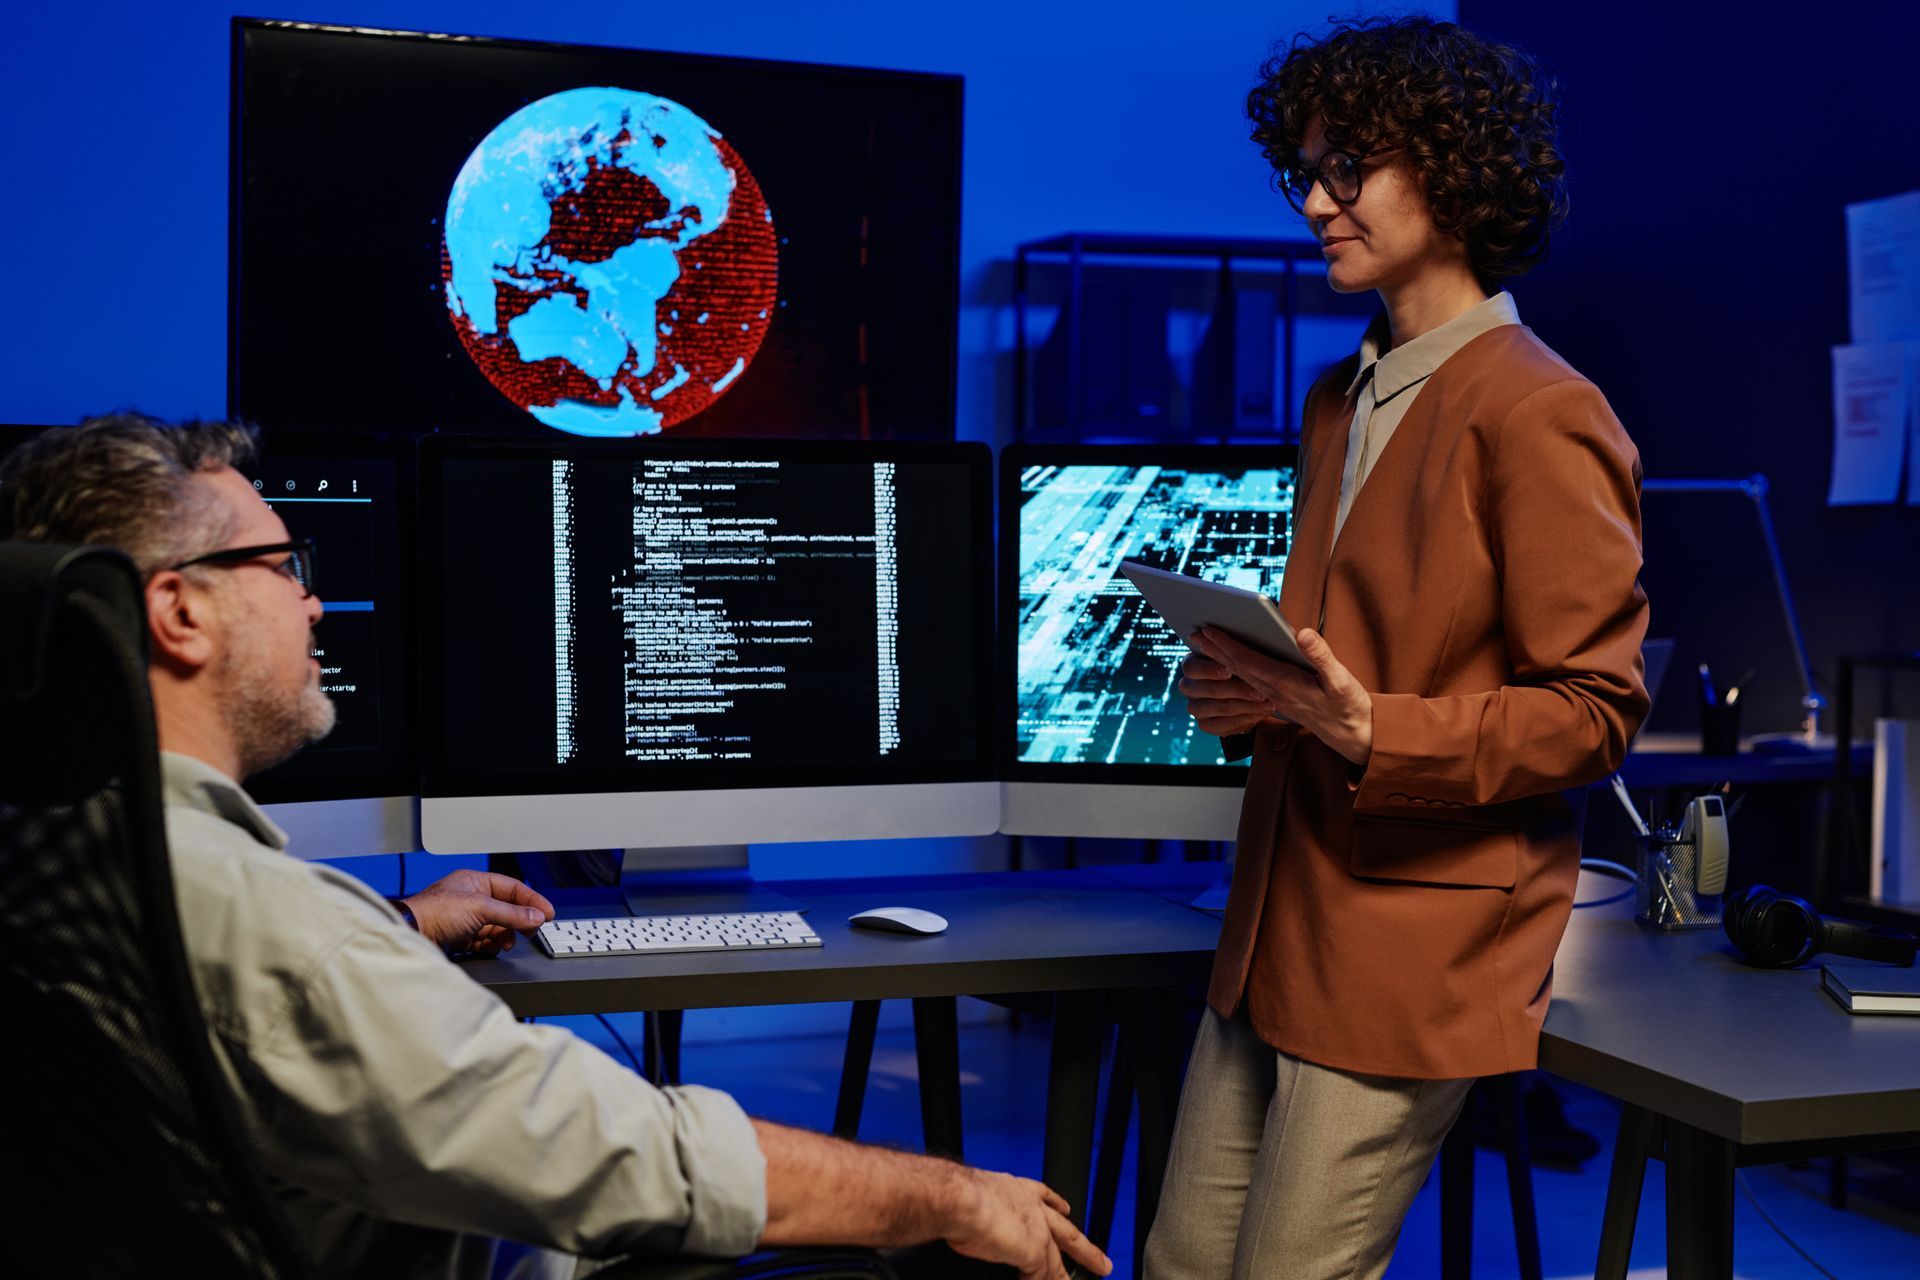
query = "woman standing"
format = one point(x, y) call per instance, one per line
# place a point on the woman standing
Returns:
point(1464, 578)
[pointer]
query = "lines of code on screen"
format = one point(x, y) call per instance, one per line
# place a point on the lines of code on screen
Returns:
point(708, 630)
point(685, 617)
point(1096, 668)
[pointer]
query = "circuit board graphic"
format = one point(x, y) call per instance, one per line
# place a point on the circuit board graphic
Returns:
point(1095, 667)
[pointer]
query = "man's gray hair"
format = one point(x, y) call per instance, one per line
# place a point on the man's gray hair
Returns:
point(123, 480)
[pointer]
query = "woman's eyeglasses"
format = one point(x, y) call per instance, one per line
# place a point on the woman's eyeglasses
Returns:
point(1338, 173)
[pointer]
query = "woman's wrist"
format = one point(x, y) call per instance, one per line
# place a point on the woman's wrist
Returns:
point(1363, 734)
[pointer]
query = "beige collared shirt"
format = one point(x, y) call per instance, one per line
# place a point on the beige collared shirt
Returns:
point(406, 1116)
point(1388, 384)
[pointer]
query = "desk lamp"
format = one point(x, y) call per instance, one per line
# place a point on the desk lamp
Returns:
point(1755, 488)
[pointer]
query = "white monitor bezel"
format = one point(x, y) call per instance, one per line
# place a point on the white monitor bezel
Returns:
point(465, 813)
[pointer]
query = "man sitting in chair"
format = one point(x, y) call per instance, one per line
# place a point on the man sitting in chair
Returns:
point(409, 1120)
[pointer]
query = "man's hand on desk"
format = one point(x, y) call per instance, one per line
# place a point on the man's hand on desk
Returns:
point(1231, 688)
point(478, 911)
point(823, 1190)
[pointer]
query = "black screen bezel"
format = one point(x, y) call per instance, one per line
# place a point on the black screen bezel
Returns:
point(1013, 460)
point(243, 27)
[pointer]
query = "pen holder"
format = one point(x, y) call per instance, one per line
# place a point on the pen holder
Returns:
point(1719, 728)
point(1665, 893)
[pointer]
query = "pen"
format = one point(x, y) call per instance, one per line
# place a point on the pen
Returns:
point(1707, 694)
point(1733, 692)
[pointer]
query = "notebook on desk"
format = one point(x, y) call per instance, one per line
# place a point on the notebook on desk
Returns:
point(1872, 988)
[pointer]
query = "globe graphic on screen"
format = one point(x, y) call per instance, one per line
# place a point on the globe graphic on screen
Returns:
point(610, 264)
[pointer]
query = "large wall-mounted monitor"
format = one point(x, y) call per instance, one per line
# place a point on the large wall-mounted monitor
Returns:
point(353, 792)
point(450, 234)
point(1097, 738)
point(669, 643)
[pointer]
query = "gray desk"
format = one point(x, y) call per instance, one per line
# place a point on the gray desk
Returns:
point(1078, 934)
point(1723, 1064)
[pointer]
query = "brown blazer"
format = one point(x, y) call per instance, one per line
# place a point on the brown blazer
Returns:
point(1485, 590)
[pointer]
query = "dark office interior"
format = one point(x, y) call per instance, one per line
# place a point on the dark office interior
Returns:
point(756, 465)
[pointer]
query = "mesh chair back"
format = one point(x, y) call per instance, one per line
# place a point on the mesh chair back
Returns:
point(126, 1153)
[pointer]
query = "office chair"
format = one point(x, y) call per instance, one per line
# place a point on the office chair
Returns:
point(125, 1146)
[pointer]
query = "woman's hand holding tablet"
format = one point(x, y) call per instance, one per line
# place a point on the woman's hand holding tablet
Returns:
point(1255, 667)
point(1189, 603)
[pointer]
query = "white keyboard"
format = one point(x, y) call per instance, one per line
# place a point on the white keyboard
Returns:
point(659, 935)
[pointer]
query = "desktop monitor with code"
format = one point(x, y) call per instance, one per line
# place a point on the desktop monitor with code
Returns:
point(665, 645)
point(1098, 739)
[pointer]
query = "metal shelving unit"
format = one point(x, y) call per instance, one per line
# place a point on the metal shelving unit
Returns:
point(1075, 250)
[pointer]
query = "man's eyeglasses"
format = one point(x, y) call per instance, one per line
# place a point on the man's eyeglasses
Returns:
point(298, 566)
point(1338, 172)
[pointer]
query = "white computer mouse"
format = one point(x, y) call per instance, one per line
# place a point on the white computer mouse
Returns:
point(899, 920)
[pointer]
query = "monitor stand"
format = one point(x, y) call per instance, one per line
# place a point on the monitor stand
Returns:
point(695, 880)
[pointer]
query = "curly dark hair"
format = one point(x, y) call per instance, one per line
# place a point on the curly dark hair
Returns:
point(1475, 118)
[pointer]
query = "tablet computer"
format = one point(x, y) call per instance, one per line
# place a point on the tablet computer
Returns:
point(1189, 604)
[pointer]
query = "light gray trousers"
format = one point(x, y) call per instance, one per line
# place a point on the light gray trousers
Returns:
point(1281, 1168)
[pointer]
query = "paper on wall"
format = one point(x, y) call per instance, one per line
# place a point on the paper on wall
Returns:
point(1872, 391)
point(1883, 268)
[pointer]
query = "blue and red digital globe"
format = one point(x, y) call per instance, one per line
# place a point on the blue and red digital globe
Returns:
point(610, 263)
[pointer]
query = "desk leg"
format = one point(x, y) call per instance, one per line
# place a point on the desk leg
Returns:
point(1632, 1147)
point(1699, 1204)
point(1456, 1196)
point(673, 1025)
point(1161, 1046)
point(660, 1048)
point(1113, 1140)
point(1073, 1088)
point(1513, 1134)
point(854, 1068)
point(936, 1042)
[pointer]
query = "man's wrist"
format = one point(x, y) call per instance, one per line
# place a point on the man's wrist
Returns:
point(406, 913)
point(957, 1198)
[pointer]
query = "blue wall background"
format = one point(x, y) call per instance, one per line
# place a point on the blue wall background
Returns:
point(1080, 116)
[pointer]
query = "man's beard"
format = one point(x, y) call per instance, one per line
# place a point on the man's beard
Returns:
point(268, 723)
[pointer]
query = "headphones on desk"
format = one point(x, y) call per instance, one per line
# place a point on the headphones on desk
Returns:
point(1780, 931)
